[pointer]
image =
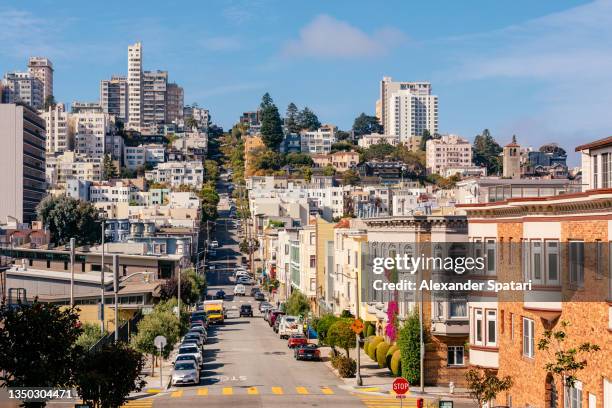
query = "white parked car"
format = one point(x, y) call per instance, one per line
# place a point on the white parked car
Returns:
point(185, 372)
point(245, 280)
point(239, 290)
point(289, 325)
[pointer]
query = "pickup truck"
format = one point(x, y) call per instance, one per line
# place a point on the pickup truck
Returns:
point(214, 311)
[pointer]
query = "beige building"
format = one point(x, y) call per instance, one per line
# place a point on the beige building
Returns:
point(22, 157)
point(114, 97)
point(154, 98)
point(367, 141)
point(90, 130)
point(175, 101)
point(447, 151)
point(60, 134)
point(596, 163)
point(71, 165)
point(512, 160)
point(42, 68)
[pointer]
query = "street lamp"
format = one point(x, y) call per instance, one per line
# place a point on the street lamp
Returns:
point(102, 225)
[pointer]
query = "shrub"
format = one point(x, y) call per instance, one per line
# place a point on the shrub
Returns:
point(372, 347)
point(370, 330)
point(342, 336)
point(347, 367)
point(323, 325)
point(390, 352)
point(381, 353)
point(335, 360)
point(410, 346)
point(396, 363)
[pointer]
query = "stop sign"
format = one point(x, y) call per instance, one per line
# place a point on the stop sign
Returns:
point(400, 385)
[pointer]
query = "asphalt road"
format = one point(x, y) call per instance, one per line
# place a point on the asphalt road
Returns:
point(245, 362)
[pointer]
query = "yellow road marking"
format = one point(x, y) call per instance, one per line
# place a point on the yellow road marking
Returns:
point(369, 389)
point(277, 390)
point(177, 394)
point(327, 390)
point(301, 390)
point(147, 403)
point(252, 391)
point(153, 390)
point(228, 391)
point(202, 391)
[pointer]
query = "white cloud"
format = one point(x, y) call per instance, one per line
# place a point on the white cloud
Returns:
point(326, 36)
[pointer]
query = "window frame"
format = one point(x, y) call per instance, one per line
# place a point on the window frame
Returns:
point(453, 350)
point(528, 331)
point(493, 313)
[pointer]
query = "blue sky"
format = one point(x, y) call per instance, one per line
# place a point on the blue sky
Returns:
point(539, 69)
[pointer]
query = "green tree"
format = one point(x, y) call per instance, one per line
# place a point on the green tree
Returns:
point(424, 138)
point(378, 151)
point(191, 123)
point(364, 125)
point(90, 336)
point(308, 120)
point(329, 170)
point(109, 170)
point(307, 174)
point(37, 346)
point(298, 159)
point(410, 346)
point(67, 217)
point(350, 178)
point(49, 102)
point(192, 287)
point(266, 159)
point(485, 152)
point(271, 127)
point(563, 361)
point(106, 377)
point(291, 119)
point(211, 169)
point(297, 304)
point(343, 146)
point(342, 135)
point(485, 387)
point(341, 335)
point(162, 321)
point(322, 325)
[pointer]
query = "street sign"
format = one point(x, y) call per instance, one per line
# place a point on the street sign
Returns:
point(160, 342)
point(445, 404)
point(400, 386)
point(357, 326)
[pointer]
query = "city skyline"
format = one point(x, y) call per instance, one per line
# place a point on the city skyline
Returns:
point(512, 64)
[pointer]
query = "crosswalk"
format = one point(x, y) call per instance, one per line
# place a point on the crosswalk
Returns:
point(390, 401)
point(251, 390)
point(139, 403)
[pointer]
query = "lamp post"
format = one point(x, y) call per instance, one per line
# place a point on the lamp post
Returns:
point(178, 297)
point(102, 282)
point(358, 375)
point(72, 245)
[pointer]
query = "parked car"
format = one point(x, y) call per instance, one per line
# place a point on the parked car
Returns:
point(194, 336)
point(307, 352)
point(246, 310)
point(185, 372)
point(289, 325)
point(212, 253)
point(202, 333)
point(259, 296)
point(198, 315)
point(214, 244)
point(274, 315)
point(263, 306)
point(296, 340)
point(220, 294)
point(191, 350)
point(239, 290)
point(184, 357)
point(254, 290)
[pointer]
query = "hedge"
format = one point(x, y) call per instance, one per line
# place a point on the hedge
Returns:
point(390, 352)
point(347, 367)
point(381, 354)
point(372, 347)
point(366, 343)
point(396, 363)
point(371, 330)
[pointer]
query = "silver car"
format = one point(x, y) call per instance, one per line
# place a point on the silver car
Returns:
point(185, 372)
point(193, 350)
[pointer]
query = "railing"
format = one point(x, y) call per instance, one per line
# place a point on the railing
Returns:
point(126, 331)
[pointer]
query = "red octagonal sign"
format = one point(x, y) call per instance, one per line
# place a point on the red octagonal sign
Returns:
point(400, 385)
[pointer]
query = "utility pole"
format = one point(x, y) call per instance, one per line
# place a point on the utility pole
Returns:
point(72, 244)
point(116, 288)
point(102, 285)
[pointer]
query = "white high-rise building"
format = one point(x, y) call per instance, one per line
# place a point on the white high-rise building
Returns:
point(90, 130)
point(135, 81)
point(114, 97)
point(23, 87)
point(407, 108)
point(42, 68)
point(59, 132)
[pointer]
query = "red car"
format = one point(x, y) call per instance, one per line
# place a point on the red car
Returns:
point(274, 315)
point(296, 340)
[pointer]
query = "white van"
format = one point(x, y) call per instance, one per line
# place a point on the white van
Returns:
point(289, 325)
point(239, 290)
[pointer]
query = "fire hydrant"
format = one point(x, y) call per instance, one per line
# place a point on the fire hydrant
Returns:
point(451, 387)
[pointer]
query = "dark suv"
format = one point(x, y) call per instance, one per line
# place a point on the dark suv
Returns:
point(246, 310)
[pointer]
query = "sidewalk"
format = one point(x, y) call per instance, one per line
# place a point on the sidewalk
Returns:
point(153, 384)
point(379, 381)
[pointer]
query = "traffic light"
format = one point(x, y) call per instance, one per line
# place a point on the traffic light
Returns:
point(419, 403)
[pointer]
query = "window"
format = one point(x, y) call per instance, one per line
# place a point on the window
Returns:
point(595, 181)
point(491, 327)
point(457, 308)
point(528, 338)
point(598, 259)
point(511, 326)
point(526, 263)
point(552, 262)
point(573, 396)
point(478, 326)
point(477, 249)
point(491, 254)
point(536, 261)
point(576, 261)
point(313, 261)
point(455, 356)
